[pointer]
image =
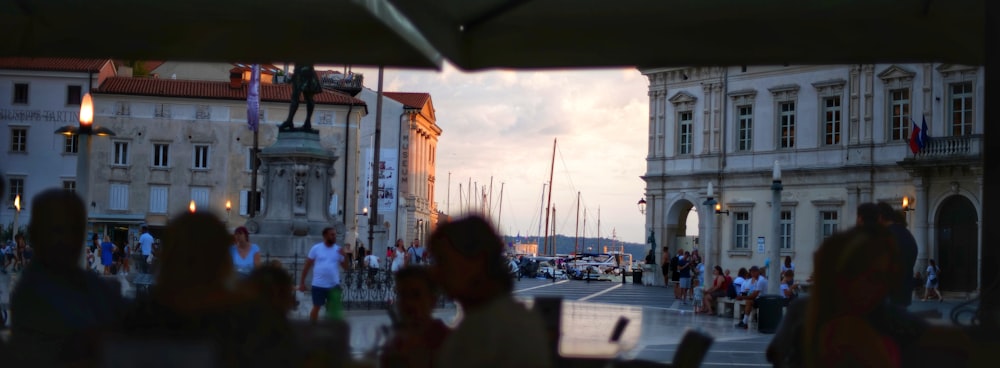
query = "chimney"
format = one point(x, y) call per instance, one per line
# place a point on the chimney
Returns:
point(235, 78)
point(124, 71)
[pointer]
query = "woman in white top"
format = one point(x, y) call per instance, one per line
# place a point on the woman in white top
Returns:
point(399, 257)
point(788, 265)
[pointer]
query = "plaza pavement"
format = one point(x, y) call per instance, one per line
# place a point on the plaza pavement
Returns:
point(589, 313)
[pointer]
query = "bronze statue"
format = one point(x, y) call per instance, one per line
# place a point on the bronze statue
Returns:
point(304, 82)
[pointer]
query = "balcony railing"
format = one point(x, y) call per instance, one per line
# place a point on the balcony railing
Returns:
point(952, 147)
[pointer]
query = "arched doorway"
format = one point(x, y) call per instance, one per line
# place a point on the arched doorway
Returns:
point(958, 243)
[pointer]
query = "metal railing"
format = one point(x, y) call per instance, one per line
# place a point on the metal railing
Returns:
point(947, 147)
point(361, 288)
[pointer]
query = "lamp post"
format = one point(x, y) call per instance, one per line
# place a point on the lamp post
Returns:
point(652, 233)
point(83, 131)
point(774, 271)
point(711, 205)
point(17, 214)
point(192, 207)
point(229, 208)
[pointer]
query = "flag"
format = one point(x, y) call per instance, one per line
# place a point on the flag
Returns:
point(253, 98)
point(923, 134)
point(915, 139)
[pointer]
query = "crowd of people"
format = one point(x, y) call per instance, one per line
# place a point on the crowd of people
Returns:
point(212, 291)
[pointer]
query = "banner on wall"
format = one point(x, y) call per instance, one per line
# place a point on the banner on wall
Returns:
point(387, 168)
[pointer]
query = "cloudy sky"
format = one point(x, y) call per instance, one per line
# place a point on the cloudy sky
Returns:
point(501, 124)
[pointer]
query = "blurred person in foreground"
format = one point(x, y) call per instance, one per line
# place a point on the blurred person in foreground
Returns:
point(848, 319)
point(59, 311)
point(906, 257)
point(470, 267)
point(195, 298)
point(419, 336)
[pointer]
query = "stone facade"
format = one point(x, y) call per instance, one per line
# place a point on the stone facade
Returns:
point(841, 135)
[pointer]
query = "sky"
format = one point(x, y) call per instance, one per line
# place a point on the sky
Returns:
point(501, 124)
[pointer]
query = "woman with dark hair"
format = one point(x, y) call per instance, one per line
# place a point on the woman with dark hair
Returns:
point(245, 255)
point(470, 268)
point(718, 290)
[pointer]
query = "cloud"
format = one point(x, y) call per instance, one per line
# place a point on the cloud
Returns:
point(501, 124)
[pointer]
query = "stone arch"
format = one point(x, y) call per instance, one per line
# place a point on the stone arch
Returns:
point(957, 244)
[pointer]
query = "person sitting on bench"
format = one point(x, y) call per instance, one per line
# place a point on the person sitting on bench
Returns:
point(758, 284)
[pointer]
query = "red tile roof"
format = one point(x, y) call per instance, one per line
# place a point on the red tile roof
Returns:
point(53, 64)
point(212, 90)
point(415, 100)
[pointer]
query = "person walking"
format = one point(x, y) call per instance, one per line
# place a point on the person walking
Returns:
point(325, 260)
point(107, 251)
point(145, 249)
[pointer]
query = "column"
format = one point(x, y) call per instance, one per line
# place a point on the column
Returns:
point(851, 215)
point(919, 225)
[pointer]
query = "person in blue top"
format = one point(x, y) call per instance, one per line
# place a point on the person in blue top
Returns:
point(245, 256)
point(107, 254)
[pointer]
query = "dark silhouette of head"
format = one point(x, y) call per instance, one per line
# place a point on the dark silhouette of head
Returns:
point(469, 259)
point(195, 253)
point(57, 225)
point(868, 214)
point(888, 215)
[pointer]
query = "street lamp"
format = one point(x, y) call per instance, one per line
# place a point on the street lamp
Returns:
point(83, 131)
point(652, 234)
point(229, 208)
point(906, 205)
point(192, 207)
point(17, 213)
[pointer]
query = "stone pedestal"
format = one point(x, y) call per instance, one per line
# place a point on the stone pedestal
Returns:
point(297, 188)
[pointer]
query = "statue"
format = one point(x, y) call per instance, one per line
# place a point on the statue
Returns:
point(304, 82)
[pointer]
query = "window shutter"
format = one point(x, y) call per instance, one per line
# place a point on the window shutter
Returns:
point(244, 199)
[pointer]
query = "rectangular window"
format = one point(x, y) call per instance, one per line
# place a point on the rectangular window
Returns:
point(72, 144)
point(16, 189)
point(119, 197)
point(686, 135)
point(252, 161)
point(744, 130)
point(69, 185)
point(19, 140)
point(74, 94)
point(161, 155)
point(122, 109)
point(20, 93)
point(161, 111)
point(786, 124)
point(200, 197)
point(741, 230)
point(121, 153)
point(899, 118)
point(961, 109)
point(201, 156)
point(787, 230)
point(831, 120)
point(246, 200)
point(202, 112)
point(157, 199)
point(828, 223)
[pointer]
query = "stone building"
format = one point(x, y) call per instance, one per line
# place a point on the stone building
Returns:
point(38, 96)
point(842, 137)
point(181, 140)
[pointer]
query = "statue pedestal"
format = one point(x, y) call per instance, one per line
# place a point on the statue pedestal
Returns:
point(296, 187)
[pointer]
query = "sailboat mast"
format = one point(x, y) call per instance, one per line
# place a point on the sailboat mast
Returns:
point(553, 231)
point(584, 229)
point(548, 205)
point(460, 198)
point(500, 207)
point(576, 242)
point(538, 234)
point(598, 227)
point(490, 207)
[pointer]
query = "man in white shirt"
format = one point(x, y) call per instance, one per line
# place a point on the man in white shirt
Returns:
point(757, 286)
point(146, 248)
point(326, 257)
